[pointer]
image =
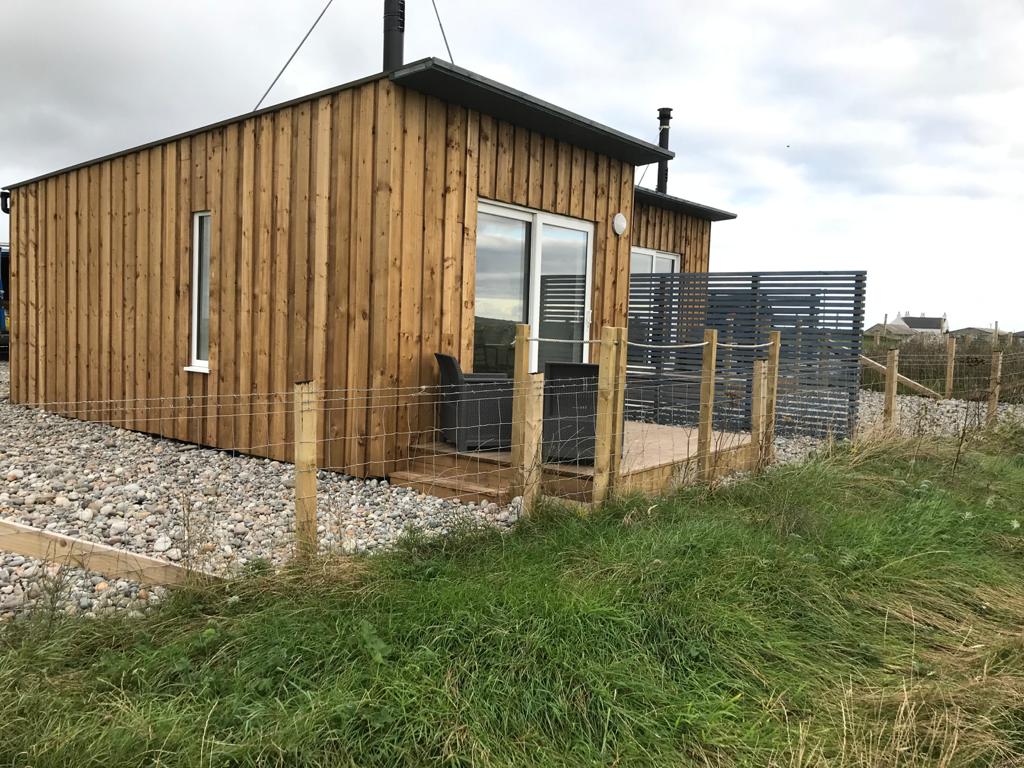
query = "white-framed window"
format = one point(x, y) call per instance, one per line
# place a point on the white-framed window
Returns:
point(648, 261)
point(200, 346)
point(532, 267)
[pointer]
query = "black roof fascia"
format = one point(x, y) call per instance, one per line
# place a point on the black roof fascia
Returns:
point(453, 84)
point(204, 129)
point(678, 205)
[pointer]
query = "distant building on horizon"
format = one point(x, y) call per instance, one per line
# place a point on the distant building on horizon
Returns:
point(906, 326)
point(923, 324)
point(973, 333)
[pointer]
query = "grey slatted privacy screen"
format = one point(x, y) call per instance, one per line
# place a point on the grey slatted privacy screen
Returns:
point(820, 315)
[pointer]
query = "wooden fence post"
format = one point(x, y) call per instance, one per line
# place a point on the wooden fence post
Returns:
point(707, 403)
point(758, 408)
point(306, 413)
point(618, 405)
point(950, 363)
point(532, 467)
point(520, 387)
point(994, 385)
point(772, 393)
point(890, 416)
point(604, 437)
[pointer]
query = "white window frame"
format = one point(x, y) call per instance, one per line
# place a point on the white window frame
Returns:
point(196, 364)
point(537, 220)
point(652, 252)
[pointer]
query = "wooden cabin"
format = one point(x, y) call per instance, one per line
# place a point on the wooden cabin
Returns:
point(182, 287)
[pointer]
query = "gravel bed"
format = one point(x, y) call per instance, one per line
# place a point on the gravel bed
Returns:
point(917, 416)
point(27, 584)
point(926, 416)
point(208, 508)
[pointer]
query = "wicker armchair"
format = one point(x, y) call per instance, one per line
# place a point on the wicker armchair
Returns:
point(570, 412)
point(475, 408)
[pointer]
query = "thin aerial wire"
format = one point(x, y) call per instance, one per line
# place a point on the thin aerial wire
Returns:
point(301, 42)
point(443, 35)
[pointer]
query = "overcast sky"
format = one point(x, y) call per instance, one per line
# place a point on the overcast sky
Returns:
point(878, 135)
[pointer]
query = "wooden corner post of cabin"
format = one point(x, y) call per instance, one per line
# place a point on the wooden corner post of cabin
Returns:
point(306, 418)
point(707, 403)
point(890, 416)
point(993, 391)
point(772, 393)
point(950, 364)
point(520, 387)
point(758, 411)
point(604, 439)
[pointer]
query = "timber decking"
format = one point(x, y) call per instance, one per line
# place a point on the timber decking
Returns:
point(655, 458)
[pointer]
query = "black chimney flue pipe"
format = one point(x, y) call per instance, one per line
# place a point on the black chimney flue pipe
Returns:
point(664, 116)
point(394, 34)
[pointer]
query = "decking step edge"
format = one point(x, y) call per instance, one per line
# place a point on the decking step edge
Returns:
point(446, 487)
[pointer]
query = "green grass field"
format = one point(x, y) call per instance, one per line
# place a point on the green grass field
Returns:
point(864, 609)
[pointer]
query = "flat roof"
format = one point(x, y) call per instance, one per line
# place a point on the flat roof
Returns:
point(667, 202)
point(453, 84)
point(446, 81)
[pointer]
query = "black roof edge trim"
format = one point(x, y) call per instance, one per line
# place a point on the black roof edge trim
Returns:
point(448, 82)
point(211, 127)
point(679, 205)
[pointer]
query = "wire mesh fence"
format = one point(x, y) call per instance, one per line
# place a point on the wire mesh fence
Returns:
point(474, 448)
point(960, 370)
point(954, 388)
point(352, 469)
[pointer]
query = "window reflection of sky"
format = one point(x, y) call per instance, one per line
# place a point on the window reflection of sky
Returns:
point(563, 251)
point(502, 259)
point(503, 284)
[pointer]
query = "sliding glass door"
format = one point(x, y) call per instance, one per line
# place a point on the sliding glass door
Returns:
point(502, 294)
point(562, 306)
point(531, 267)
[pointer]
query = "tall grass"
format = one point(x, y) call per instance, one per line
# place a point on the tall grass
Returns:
point(864, 609)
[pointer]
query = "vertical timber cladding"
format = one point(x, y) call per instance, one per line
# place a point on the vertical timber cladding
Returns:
point(674, 232)
point(444, 159)
point(102, 273)
point(343, 250)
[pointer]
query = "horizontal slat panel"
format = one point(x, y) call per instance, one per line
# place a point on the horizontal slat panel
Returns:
point(820, 315)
